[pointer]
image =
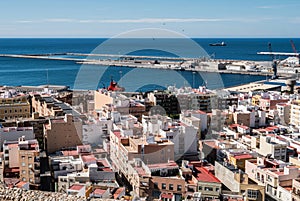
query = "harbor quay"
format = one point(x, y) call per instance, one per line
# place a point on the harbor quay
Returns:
point(264, 68)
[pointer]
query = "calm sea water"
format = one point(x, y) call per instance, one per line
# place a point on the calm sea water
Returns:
point(15, 71)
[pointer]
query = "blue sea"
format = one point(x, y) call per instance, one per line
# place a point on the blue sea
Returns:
point(18, 71)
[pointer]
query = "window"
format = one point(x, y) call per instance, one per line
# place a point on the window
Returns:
point(252, 194)
point(23, 171)
point(269, 178)
point(23, 164)
point(200, 188)
point(208, 189)
point(30, 166)
point(155, 185)
point(217, 189)
point(23, 157)
point(30, 180)
point(171, 187)
point(23, 179)
point(163, 186)
point(179, 187)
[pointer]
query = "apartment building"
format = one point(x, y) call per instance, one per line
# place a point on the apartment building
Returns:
point(207, 184)
point(110, 101)
point(274, 175)
point(237, 181)
point(295, 189)
point(14, 133)
point(295, 113)
point(167, 101)
point(166, 179)
point(271, 146)
point(284, 112)
point(13, 105)
point(22, 160)
point(48, 106)
point(63, 133)
point(29, 162)
point(149, 149)
point(196, 99)
point(139, 176)
point(196, 118)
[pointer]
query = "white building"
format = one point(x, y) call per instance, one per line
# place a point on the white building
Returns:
point(184, 137)
point(196, 118)
point(93, 131)
point(273, 147)
point(295, 113)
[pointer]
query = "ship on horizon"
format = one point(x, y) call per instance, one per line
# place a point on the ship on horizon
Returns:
point(218, 44)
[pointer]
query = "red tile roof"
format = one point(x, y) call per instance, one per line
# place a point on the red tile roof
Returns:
point(107, 170)
point(21, 184)
point(70, 153)
point(88, 158)
point(243, 156)
point(212, 144)
point(171, 164)
point(205, 176)
point(118, 192)
point(271, 128)
point(167, 195)
point(76, 187)
point(99, 191)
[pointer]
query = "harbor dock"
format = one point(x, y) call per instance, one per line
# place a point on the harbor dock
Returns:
point(262, 68)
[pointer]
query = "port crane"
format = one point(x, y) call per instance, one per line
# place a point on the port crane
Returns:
point(295, 51)
point(274, 62)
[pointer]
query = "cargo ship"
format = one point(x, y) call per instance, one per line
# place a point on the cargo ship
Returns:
point(218, 44)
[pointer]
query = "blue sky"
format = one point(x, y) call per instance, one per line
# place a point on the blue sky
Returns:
point(107, 18)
